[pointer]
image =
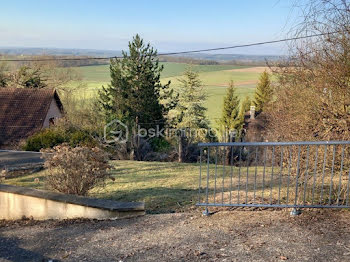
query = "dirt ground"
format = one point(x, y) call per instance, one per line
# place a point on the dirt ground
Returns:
point(256, 69)
point(237, 235)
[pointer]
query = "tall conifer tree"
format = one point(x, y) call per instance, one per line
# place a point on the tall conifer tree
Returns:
point(135, 92)
point(230, 113)
point(190, 111)
point(263, 92)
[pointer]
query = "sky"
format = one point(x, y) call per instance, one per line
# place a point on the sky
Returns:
point(168, 25)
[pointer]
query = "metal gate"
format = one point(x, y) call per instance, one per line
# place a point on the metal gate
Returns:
point(275, 174)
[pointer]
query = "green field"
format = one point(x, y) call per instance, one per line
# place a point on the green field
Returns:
point(215, 78)
point(214, 101)
point(100, 73)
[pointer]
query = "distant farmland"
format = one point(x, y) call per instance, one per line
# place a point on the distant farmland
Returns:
point(215, 78)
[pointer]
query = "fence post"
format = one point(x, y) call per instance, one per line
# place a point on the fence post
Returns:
point(206, 211)
point(296, 211)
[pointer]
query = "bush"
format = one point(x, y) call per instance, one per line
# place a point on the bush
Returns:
point(80, 138)
point(160, 145)
point(75, 170)
point(46, 138)
point(51, 137)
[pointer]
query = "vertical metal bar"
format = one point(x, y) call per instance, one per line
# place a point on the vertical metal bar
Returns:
point(207, 189)
point(223, 176)
point(332, 174)
point(315, 172)
point(239, 174)
point(306, 172)
point(256, 171)
point(216, 172)
point(246, 185)
point(289, 169)
point(273, 165)
point(231, 161)
point(340, 173)
point(347, 190)
point(297, 178)
point(323, 172)
point(263, 178)
point(280, 177)
point(200, 174)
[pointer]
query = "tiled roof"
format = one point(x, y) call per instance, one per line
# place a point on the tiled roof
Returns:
point(23, 111)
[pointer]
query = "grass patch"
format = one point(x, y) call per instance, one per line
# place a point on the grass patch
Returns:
point(29, 180)
point(165, 187)
point(214, 102)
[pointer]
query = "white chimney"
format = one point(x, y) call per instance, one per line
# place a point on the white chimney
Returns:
point(252, 112)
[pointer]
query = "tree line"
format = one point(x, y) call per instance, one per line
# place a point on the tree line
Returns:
point(137, 97)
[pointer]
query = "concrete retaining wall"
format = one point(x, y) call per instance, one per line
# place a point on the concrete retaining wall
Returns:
point(19, 202)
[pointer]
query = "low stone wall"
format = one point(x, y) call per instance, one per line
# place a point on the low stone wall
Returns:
point(18, 202)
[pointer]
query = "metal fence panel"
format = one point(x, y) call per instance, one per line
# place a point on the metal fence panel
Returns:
point(275, 174)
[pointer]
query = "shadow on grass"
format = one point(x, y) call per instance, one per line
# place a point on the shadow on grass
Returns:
point(158, 199)
point(28, 181)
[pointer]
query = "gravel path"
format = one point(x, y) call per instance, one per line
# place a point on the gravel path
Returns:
point(316, 235)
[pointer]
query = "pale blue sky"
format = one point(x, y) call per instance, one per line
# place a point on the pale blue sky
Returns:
point(168, 25)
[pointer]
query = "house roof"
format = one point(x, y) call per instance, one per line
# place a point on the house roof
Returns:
point(23, 111)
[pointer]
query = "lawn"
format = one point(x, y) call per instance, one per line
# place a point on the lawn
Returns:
point(165, 187)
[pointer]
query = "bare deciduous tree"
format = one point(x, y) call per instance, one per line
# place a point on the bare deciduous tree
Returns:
point(313, 89)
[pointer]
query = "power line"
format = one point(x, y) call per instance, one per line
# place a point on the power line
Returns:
point(248, 45)
point(174, 53)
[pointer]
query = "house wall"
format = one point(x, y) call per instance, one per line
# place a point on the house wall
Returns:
point(54, 112)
